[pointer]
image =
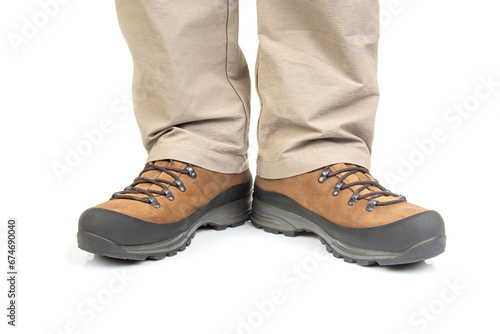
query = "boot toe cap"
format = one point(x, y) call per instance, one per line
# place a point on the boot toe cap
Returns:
point(123, 229)
point(403, 234)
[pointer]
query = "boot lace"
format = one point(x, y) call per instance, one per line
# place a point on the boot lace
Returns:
point(364, 184)
point(130, 191)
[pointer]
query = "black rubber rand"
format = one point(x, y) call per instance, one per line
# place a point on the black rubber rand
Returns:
point(109, 233)
point(409, 240)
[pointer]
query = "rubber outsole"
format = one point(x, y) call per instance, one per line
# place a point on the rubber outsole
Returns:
point(276, 220)
point(176, 237)
point(98, 245)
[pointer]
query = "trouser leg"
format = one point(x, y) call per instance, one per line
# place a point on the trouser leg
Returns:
point(317, 80)
point(191, 87)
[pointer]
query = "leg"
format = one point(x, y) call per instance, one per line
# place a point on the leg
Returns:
point(191, 85)
point(317, 79)
point(191, 94)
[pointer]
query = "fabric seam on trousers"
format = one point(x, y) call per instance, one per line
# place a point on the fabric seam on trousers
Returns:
point(295, 165)
point(294, 156)
point(203, 147)
point(181, 149)
point(247, 114)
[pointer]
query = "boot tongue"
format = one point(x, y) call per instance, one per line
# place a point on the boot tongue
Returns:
point(356, 177)
point(158, 174)
point(359, 176)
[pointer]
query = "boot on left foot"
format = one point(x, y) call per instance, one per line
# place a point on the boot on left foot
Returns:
point(356, 217)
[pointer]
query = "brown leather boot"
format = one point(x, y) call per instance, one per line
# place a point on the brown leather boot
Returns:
point(159, 213)
point(356, 217)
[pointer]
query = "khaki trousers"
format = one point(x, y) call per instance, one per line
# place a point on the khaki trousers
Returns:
point(316, 77)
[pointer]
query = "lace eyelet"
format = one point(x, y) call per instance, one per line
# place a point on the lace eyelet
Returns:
point(354, 199)
point(337, 189)
point(180, 185)
point(323, 176)
point(168, 194)
point(191, 172)
point(154, 202)
point(371, 205)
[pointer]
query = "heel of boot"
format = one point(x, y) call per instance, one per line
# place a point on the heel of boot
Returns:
point(274, 220)
point(230, 215)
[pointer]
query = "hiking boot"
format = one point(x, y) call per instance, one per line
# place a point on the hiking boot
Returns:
point(356, 217)
point(159, 213)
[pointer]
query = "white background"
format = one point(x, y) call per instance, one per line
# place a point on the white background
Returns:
point(67, 77)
